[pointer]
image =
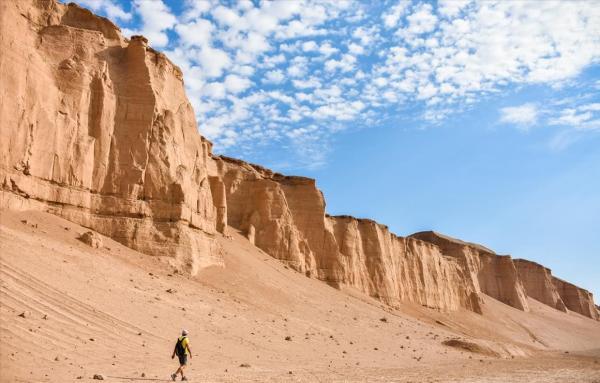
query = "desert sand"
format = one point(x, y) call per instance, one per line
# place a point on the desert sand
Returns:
point(117, 312)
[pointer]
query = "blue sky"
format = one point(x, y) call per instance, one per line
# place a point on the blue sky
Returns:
point(480, 120)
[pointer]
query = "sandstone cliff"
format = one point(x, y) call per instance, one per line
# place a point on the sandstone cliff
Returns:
point(492, 274)
point(285, 216)
point(97, 129)
point(538, 283)
point(576, 299)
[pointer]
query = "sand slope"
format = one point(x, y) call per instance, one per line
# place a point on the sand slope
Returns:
point(108, 311)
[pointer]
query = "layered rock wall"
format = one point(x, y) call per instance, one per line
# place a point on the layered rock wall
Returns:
point(398, 269)
point(99, 130)
point(285, 216)
point(576, 299)
point(538, 283)
point(491, 274)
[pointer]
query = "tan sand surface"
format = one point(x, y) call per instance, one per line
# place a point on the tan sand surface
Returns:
point(116, 312)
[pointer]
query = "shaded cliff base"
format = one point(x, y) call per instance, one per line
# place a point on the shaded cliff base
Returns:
point(114, 311)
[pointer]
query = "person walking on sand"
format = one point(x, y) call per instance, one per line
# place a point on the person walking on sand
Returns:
point(182, 350)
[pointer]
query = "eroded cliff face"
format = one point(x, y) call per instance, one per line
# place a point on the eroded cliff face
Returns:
point(492, 274)
point(97, 129)
point(398, 269)
point(538, 283)
point(576, 299)
point(285, 216)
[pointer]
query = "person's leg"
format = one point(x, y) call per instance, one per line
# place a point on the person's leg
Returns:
point(182, 363)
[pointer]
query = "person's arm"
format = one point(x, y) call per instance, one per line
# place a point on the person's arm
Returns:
point(189, 351)
point(173, 356)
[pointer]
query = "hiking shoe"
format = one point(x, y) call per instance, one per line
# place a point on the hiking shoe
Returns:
point(173, 377)
point(183, 378)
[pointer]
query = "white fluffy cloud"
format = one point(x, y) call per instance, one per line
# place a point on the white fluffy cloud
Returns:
point(156, 19)
point(309, 46)
point(274, 76)
point(523, 115)
point(110, 7)
point(422, 20)
point(196, 33)
point(326, 49)
point(451, 8)
point(356, 49)
point(236, 84)
point(391, 18)
point(213, 61)
point(568, 119)
point(584, 117)
point(214, 90)
point(345, 64)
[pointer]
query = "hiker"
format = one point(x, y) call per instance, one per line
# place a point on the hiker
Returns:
point(182, 350)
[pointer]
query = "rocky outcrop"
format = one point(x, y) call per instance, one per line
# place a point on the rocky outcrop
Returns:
point(494, 275)
point(399, 269)
point(91, 239)
point(98, 129)
point(576, 299)
point(285, 216)
point(538, 283)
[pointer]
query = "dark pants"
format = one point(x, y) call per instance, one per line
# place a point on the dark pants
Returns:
point(182, 359)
